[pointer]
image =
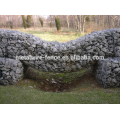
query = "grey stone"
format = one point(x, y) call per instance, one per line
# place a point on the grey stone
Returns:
point(4, 40)
point(104, 50)
point(90, 51)
point(101, 53)
point(18, 71)
point(23, 52)
point(31, 86)
point(88, 48)
point(117, 70)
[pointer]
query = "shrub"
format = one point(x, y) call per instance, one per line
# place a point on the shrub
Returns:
point(41, 21)
point(87, 19)
point(24, 21)
point(29, 21)
point(9, 24)
point(58, 24)
point(51, 25)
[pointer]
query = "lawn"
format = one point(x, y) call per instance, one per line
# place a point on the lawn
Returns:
point(50, 34)
point(86, 92)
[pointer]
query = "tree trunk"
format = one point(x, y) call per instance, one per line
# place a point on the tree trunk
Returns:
point(67, 21)
point(108, 22)
point(79, 22)
point(83, 23)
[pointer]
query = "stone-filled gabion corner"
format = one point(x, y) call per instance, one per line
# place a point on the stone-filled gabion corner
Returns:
point(11, 71)
point(108, 72)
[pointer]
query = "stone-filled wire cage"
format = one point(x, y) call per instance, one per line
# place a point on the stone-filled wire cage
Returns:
point(101, 43)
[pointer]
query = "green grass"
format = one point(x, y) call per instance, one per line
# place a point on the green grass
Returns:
point(26, 95)
point(66, 77)
point(55, 37)
point(87, 92)
point(52, 34)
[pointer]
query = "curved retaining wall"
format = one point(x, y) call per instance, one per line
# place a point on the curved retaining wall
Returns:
point(102, 43)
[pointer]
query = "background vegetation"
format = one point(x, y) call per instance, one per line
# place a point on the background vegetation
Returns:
point(81, 23)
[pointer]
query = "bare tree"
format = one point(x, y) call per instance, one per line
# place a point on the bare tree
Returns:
point(79, 22)
point(83, 23)
point(108, 21)
point(67, 21)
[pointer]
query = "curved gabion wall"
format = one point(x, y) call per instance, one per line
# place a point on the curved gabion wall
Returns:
point(101, 43)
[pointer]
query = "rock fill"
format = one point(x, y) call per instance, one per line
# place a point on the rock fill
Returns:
point(99, 43)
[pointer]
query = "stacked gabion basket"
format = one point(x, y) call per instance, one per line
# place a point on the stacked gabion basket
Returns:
point(100, 43)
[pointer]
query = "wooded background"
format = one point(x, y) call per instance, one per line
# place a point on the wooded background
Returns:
point(81, 23)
